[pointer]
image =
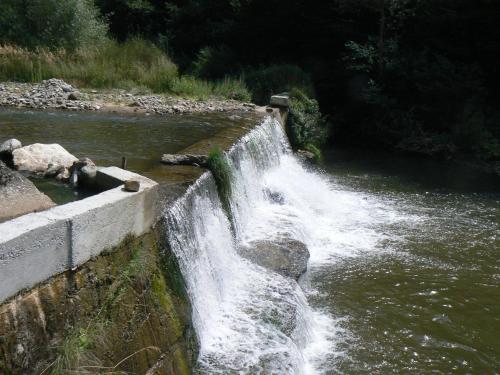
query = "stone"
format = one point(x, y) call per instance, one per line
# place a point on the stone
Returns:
point(83, 172)
point(285, 256)
point(184, 159)
point(132, 185)
point(74, 96)
point(9, 146)
point(18, 195)
point(36, 158)
point(307, 155)
point(63, 176)
point(53, 170)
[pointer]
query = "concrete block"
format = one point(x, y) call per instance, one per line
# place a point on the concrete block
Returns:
point(280, 100)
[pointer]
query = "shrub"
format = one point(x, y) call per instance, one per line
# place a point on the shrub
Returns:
point(69, 24)
point(305, 124)
point(274, 79)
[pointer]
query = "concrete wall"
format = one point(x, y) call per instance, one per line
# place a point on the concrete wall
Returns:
point(37, 246)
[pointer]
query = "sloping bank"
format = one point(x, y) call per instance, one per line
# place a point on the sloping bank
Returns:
point(120, 308)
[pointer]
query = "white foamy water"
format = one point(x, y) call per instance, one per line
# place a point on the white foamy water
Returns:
point(250, 320)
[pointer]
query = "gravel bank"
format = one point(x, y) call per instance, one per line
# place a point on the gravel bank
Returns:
point(57, 94)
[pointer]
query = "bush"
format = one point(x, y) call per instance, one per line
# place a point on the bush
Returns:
point(68, 24)
point(306, 126)
point(274, 79)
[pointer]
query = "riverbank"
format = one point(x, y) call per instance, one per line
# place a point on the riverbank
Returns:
point(57, 94)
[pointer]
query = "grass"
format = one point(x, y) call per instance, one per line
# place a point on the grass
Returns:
point(134, 63)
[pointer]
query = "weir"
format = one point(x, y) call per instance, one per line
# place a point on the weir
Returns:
point(247, 319)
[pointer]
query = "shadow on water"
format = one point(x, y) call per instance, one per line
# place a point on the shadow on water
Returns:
point(388, 171)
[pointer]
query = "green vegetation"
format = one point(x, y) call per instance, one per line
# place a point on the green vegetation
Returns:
point(307, 128)
point(415, 75)
point(137, 288)
point(132, 64)
point(221, 170)
point(274, 79)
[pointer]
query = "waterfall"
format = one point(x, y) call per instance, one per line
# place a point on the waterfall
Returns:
point(249, 320)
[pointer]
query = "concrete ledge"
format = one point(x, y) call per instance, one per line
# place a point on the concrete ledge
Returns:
point(37, 246)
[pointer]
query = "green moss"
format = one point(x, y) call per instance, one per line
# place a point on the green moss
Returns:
point(221, 170)
point(318, 155)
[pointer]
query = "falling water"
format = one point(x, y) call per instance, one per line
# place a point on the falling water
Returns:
point(249, 319)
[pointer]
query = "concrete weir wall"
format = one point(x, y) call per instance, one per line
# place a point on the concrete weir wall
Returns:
point(37, 246)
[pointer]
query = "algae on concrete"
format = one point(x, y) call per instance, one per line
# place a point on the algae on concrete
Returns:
point(126, 311)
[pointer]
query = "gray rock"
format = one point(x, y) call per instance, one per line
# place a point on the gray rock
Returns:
point(9, 146)
point(132, 185)
point(306, 155)
point(187, 159)
point(63, 176)
point(285, 256)
point(83, 172)
point(18, 195)
point(74, 96)
point(36, 158)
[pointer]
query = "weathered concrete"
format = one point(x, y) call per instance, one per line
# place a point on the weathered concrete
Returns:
point(39, 245)
point(281, 100)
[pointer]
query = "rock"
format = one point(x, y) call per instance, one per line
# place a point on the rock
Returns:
point(285, 256)
point(132, 185)
point(83, 172)
point(307, 155)
point(53, 170)
point(74, 96)
point(187, 159)
point(9, 146)
point(36, 158)
point(63, 176)
point(18, 195)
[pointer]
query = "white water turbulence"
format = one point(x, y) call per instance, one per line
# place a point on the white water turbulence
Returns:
point(248, 319)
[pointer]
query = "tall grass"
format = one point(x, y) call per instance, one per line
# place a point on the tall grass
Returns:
point(135, 63)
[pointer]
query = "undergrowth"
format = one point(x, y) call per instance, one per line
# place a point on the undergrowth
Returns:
point(135, 63)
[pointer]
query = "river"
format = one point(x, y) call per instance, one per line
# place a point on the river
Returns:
point(404, 269)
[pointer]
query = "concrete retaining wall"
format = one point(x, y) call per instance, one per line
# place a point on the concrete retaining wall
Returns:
point(37, 246)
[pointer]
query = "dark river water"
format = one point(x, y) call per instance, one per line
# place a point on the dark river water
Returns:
point(414, 284)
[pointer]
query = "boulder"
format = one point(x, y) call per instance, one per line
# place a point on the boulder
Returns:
point(36, 158)
point(285, 256)
point(186, 159)
point(9, 146)
point(18, 195)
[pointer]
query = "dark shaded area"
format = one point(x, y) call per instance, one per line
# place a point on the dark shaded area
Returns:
point(414, 75)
